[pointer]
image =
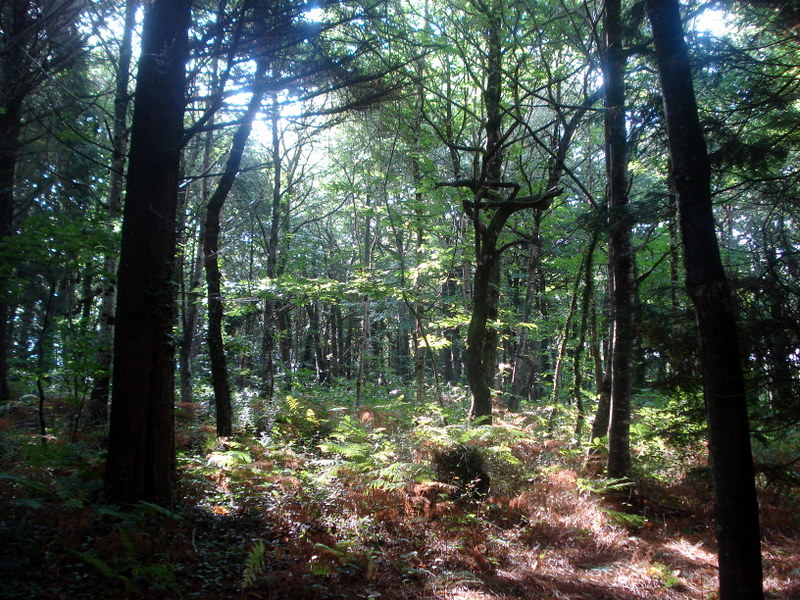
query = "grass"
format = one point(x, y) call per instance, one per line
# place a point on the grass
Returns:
point(336, 507)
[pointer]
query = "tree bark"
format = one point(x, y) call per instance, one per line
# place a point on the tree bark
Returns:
point(620, 249)
point(735, 501)
point(10, 128)
point(577, 372)
point(12, 95)
point(481, 335)
point(141, 449)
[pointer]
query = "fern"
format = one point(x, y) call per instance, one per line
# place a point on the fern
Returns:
point(624, 519)
point(35, 486)
point(158, 576)
point(604, 486)
point(253, 564)
point(102, 567)
point(149, 509)
point(396, 475)
point(348, 450)
point(229, 458)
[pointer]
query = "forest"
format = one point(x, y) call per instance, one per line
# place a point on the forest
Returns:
point(400, 299)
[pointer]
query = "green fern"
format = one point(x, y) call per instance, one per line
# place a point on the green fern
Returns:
point(253, 564)
point(624, 519)
point(603, 487)
point(102, 567)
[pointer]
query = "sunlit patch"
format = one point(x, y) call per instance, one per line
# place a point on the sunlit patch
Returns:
point(692, 551)
point(315, 15)
point(712, 21)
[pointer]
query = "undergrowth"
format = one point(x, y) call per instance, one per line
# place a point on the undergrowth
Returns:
point(387, 500)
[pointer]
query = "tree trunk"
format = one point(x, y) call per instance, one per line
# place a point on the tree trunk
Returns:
point(11, 99)
point(271, 307)
point(577, 371)
point(216, 344)
point(141, 450)
point(525, 360)
point(481, 334)
point(735, 501)
point(482, 339)
point(321, 363)
point(10, 128)
point(602, 380)
point(620, 249)
point(98, 404)
point(562, 347)
point(191, 311)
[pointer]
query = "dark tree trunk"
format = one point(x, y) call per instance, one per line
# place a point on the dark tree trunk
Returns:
point(735, 501)
point(481, 334)
point(620, 248)
point(141, 449)
point(216, 344)
point(12, 94)
point(482, 339)
point(10, 128)
point(577, 359)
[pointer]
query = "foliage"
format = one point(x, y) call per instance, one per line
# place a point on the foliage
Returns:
point(253, 564)
point(361, 507)
point(348, 258)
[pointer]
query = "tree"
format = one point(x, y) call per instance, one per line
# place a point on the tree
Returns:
point(511, 92)
point(620, 249)
point(735, 502)
point(219, 369)
point(37, 40)
point(141, 453)
point(119, 143)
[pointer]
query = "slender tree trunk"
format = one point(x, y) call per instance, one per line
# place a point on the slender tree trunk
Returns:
point(363, 347)
point(620, 247)
point(676, 358)
point(735, 501)
point(141, 449)
point(271, 306)
point(525, 360)
point(602, 379)
point(191, 311)
point(562, 347)
point(41, 353)
point(98, 403)
point(402, 359)
point(321, 365)
point(577, 371)
point(783, 386)
point(216, 344)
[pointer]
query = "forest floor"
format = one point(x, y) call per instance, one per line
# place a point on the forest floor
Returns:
point(353, 513)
